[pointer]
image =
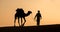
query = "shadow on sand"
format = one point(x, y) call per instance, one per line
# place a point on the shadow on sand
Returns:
point(43, 28)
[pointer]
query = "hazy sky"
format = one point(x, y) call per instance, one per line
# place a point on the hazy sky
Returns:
point(50, 11)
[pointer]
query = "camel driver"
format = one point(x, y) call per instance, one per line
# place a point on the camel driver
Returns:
point(38, 17)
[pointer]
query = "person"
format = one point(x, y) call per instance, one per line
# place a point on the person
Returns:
point(38, 17)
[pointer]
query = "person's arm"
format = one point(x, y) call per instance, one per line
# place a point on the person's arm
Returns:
point(40, 16)
point(35, 16)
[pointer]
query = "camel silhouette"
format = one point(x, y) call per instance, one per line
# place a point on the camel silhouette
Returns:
point(20, 14)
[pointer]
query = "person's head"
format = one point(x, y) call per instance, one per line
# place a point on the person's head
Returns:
point(38, 11)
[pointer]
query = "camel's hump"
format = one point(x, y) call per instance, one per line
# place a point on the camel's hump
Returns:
point(20, 10)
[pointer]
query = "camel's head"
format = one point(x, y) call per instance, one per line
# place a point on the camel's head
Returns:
point(29, 12)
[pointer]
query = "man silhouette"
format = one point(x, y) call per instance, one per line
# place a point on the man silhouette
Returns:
point(38, 17)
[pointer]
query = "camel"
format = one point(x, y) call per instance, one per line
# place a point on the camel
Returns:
point(20, 14)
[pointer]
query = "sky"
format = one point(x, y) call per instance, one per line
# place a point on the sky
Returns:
point(50, 11)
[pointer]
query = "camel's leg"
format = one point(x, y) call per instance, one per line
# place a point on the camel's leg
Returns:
point(14, 21)
point(21, 20)
point(24, 21)
point(18, 21)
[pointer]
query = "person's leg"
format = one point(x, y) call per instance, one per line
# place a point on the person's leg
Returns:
point(38, 22)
